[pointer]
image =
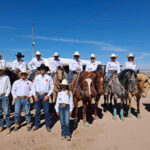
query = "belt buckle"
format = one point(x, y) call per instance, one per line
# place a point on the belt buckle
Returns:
point(41, 94)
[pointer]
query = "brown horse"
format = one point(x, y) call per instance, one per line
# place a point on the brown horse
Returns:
point(99, 86)
point(58, 77)
point(83, 89)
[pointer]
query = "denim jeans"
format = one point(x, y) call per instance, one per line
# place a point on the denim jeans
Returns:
point(32, 74)
point(25, 104)
point(109, 74)
point(52, 74)
point(65, 122)
point(38, 107)
point(71, 74)
point(4, 107)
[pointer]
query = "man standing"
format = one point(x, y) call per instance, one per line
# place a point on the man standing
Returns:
point(2, 61)
point(22, 91)
point(43, 87)
point(35, 63)
point(5, 88)
point(75, 66)
point(56, 62)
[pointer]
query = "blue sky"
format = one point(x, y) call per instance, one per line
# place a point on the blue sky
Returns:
point(120, 30)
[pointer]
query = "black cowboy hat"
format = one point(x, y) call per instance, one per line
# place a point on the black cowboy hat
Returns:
point(43, 67)
point(19, 55)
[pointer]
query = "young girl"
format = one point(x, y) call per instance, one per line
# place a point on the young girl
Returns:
point(64, 107)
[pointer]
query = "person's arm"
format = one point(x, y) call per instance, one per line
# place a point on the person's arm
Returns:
point(71, 66)
point(53, 66)
point(34, 87)
point(118, 68)
point(126, 65)
point(87, 66)
point(57, 104)
point(107, 67)
point(13, 91)
point(13, 66)
point(95, 67)
point(30, 64)
point(51, 87)
point(24, 65)
point(8, 87)
point(31, 87)
point(71, 101)
point(4, 63)
point(81, 67)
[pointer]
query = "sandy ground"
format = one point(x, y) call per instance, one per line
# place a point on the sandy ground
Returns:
point(102, 134)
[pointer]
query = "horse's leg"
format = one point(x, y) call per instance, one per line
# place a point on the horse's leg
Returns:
point(76, 109)
point(84, 114)
point(130, 104)
point(138, 97)
point(111, 97)
point(121, 110)
point(106, 103)
point(96, 106)
point(90, 107)
point(115, 109)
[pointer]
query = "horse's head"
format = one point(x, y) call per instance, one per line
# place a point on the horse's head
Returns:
point(99, 82)
point(128, 79)
point(59, 73)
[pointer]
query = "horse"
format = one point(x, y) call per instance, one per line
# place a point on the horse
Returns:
point(99, 86)
point(122, 86)
point(58, 77)
point(143, 85)
point(83, 89)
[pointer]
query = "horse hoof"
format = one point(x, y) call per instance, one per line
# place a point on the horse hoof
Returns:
point(95, 118)
point(122, 118)
point(86, 124)
point(138, 116)
point(114, 117)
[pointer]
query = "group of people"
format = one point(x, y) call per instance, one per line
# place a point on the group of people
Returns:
point(42, 87)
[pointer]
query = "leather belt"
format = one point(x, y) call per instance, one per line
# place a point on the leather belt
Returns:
point(41, 94)
point(1, 95)
point(22, 97)
point(64, 105)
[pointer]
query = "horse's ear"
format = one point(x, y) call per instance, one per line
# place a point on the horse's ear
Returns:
point(137, 71)
point(146, 81)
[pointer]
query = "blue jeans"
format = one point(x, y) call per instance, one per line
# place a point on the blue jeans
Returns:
point(109, 74)
point(65, 122)
point(4, 107)
point(46, 107)
point(25, 104)
point(52, 74)
point(71, 74)
point(32, 74)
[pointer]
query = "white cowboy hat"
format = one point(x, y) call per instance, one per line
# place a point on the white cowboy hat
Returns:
point(24, 71)
point(113, 55)
point(77, 54)
point(1, 67)
point(64, 82)
point(38, 53)
point(130, 55)
point(93, 55)
point(56, 54)
point(1, 54)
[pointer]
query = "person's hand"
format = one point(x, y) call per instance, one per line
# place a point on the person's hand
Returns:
point(36, 98)
point(70, 113)
point(45, 98)
point(78, 70)
point(16, 98)
point(57, 113)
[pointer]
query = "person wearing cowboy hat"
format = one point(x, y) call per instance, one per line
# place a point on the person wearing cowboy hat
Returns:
point(19, 64)
point(2, 61)
point(35, 63)
point(130, 64)
point(21, 92)
point(5, 88)
point(92, 65)
point(64, 106)
point(112, 67)
point(75, 66)
point(43, 87)
point(56, 62)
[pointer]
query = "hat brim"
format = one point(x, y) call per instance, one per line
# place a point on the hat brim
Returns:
point(93, 57)
point(64, 84)
point(56, 55)
point(38, 54)
point(23, 73)
point(77, 55)
point(130, 56)
point(113, 56)
point(46, 68)
point(20, 56)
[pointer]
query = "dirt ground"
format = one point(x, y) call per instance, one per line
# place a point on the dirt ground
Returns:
point(103, 134)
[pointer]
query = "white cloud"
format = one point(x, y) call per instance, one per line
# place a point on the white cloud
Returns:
point(142, 56)
point(8, 27)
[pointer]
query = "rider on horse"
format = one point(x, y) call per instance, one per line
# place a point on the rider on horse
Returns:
point(2, 61)
point(112, 67)
point(75, 66)
point(130, 64)
point(56, 62)
point(19, 64)
point(35, 63)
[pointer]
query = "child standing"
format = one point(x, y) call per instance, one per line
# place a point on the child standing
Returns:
point(64, 107)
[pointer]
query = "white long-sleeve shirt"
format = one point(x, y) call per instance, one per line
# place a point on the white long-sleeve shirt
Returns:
point(74, 65)
point(18, 64)
point(130, 65)
point(64, 97)
point(3, 62)
point(22, 88)
point(43, 84)
point(113, 66)
point(55, 64)
point(34, 63)
point(91, 66)
point(5, 86)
